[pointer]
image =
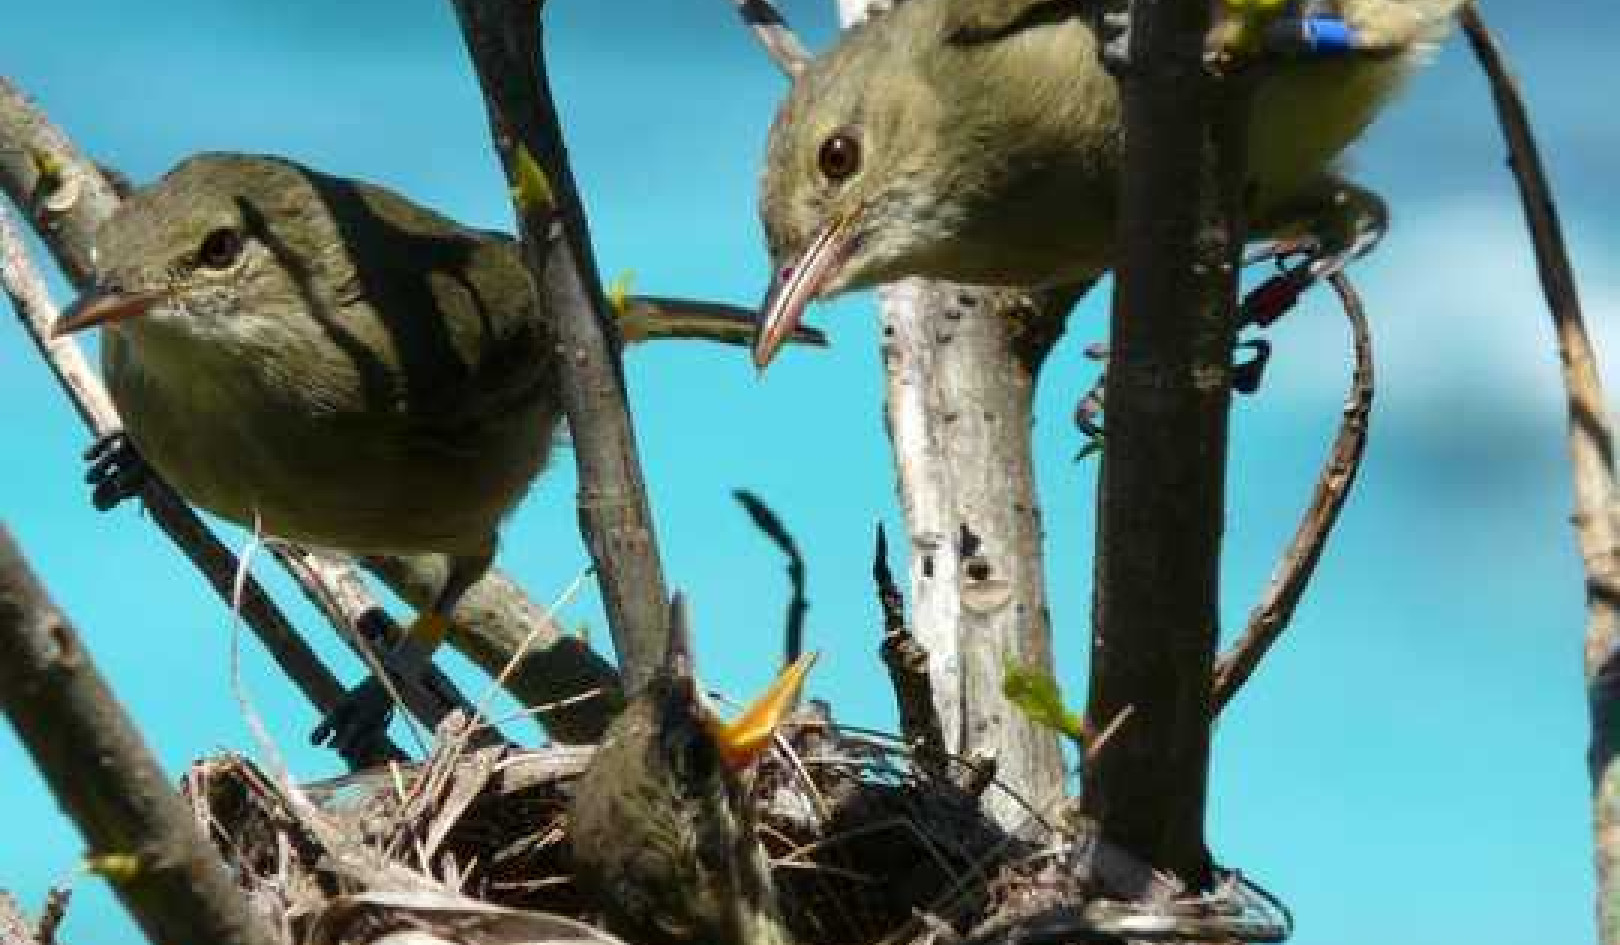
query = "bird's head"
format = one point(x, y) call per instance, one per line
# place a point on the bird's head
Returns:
point(661, 823)
point(855, 190)
point(222, 247)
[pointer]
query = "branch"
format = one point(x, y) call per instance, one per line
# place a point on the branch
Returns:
point(907, 662)
point(773, 32)
point(1271, 616)
point(1163, 478)
point(767, 521)
point(1591, 450)
point(503, 40)
point(492, 620)
point(142, 836)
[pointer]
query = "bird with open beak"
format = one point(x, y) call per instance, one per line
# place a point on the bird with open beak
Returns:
point(978, 141)
point(661, 824)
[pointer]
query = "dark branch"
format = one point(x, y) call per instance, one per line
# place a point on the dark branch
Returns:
point(503, 39)
point(142, 836)
point(1272, 614)
point(768, 522)
point(1162, 492)
point(907, 661)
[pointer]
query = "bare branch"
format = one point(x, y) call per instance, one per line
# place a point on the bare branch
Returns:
point(1272, 614)
point(1591, 450)
point(907, 662)
point(142, 836)
point(773, 32)
point(503, 39)
point(1163, 479)
point(768, 522)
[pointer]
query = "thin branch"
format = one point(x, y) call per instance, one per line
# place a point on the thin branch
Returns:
point(1272, 614)
point(907, 661)
point(30, 297)
point(142, 836)
point(773, 32)
point(768, 522)
point(503, 40)
point(1591, 449)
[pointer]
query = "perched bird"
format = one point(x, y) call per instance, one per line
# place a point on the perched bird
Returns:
point(978, 141)
point(660, 826)
point(329, 362)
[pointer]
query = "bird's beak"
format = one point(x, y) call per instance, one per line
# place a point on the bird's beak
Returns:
point(104, 306)
point(742, 740)
point(745, 738)
point(800, 282)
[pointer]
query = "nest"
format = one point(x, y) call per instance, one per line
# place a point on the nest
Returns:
point(867, 846)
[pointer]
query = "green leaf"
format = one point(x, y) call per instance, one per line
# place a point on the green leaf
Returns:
point(1036, 694)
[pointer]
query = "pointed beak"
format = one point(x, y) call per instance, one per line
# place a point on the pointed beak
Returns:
point(105, 306)
point(799, 283)
point(744, 739)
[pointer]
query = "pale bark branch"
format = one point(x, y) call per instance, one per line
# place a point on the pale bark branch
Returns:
point(142, 836)
point(1270, 617)
point(503, 40)
point(1163, 478)
point(773, 33)
point(1591, 450)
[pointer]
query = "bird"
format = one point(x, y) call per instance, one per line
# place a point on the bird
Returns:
point(660, 825)
point(979, 141)
point(330, 363)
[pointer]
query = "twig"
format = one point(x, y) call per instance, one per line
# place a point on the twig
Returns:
point(142, 836)
point(768, 522)
point(1591, 449)
point(29, 295)
point(907, 661)
point(503, 39)
point(1272, 614)
point(50, 917)
point(773, 32)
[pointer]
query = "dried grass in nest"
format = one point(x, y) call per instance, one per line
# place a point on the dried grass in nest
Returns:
point(863, 841)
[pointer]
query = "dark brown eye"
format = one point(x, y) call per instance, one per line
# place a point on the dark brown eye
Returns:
point(839, 157)
point(220, 248)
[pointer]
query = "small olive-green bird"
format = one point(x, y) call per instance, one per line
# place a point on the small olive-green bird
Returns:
point(661, 824)
point(978, 141)
point(335, 365)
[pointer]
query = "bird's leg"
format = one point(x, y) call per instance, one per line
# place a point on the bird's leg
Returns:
point(117, 471)
point(1313, 237)
point(366, 709)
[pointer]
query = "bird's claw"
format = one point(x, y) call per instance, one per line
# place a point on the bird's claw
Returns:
point(117, 470)
point(361, 716)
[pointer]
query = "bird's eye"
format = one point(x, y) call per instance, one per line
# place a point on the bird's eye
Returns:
point(220, 248)
point(839, 157)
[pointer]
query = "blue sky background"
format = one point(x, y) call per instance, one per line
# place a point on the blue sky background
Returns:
point(1409, 763)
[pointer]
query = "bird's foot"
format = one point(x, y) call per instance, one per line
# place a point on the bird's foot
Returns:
point(359, 718)
point(363, 714)
point(117, 471)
